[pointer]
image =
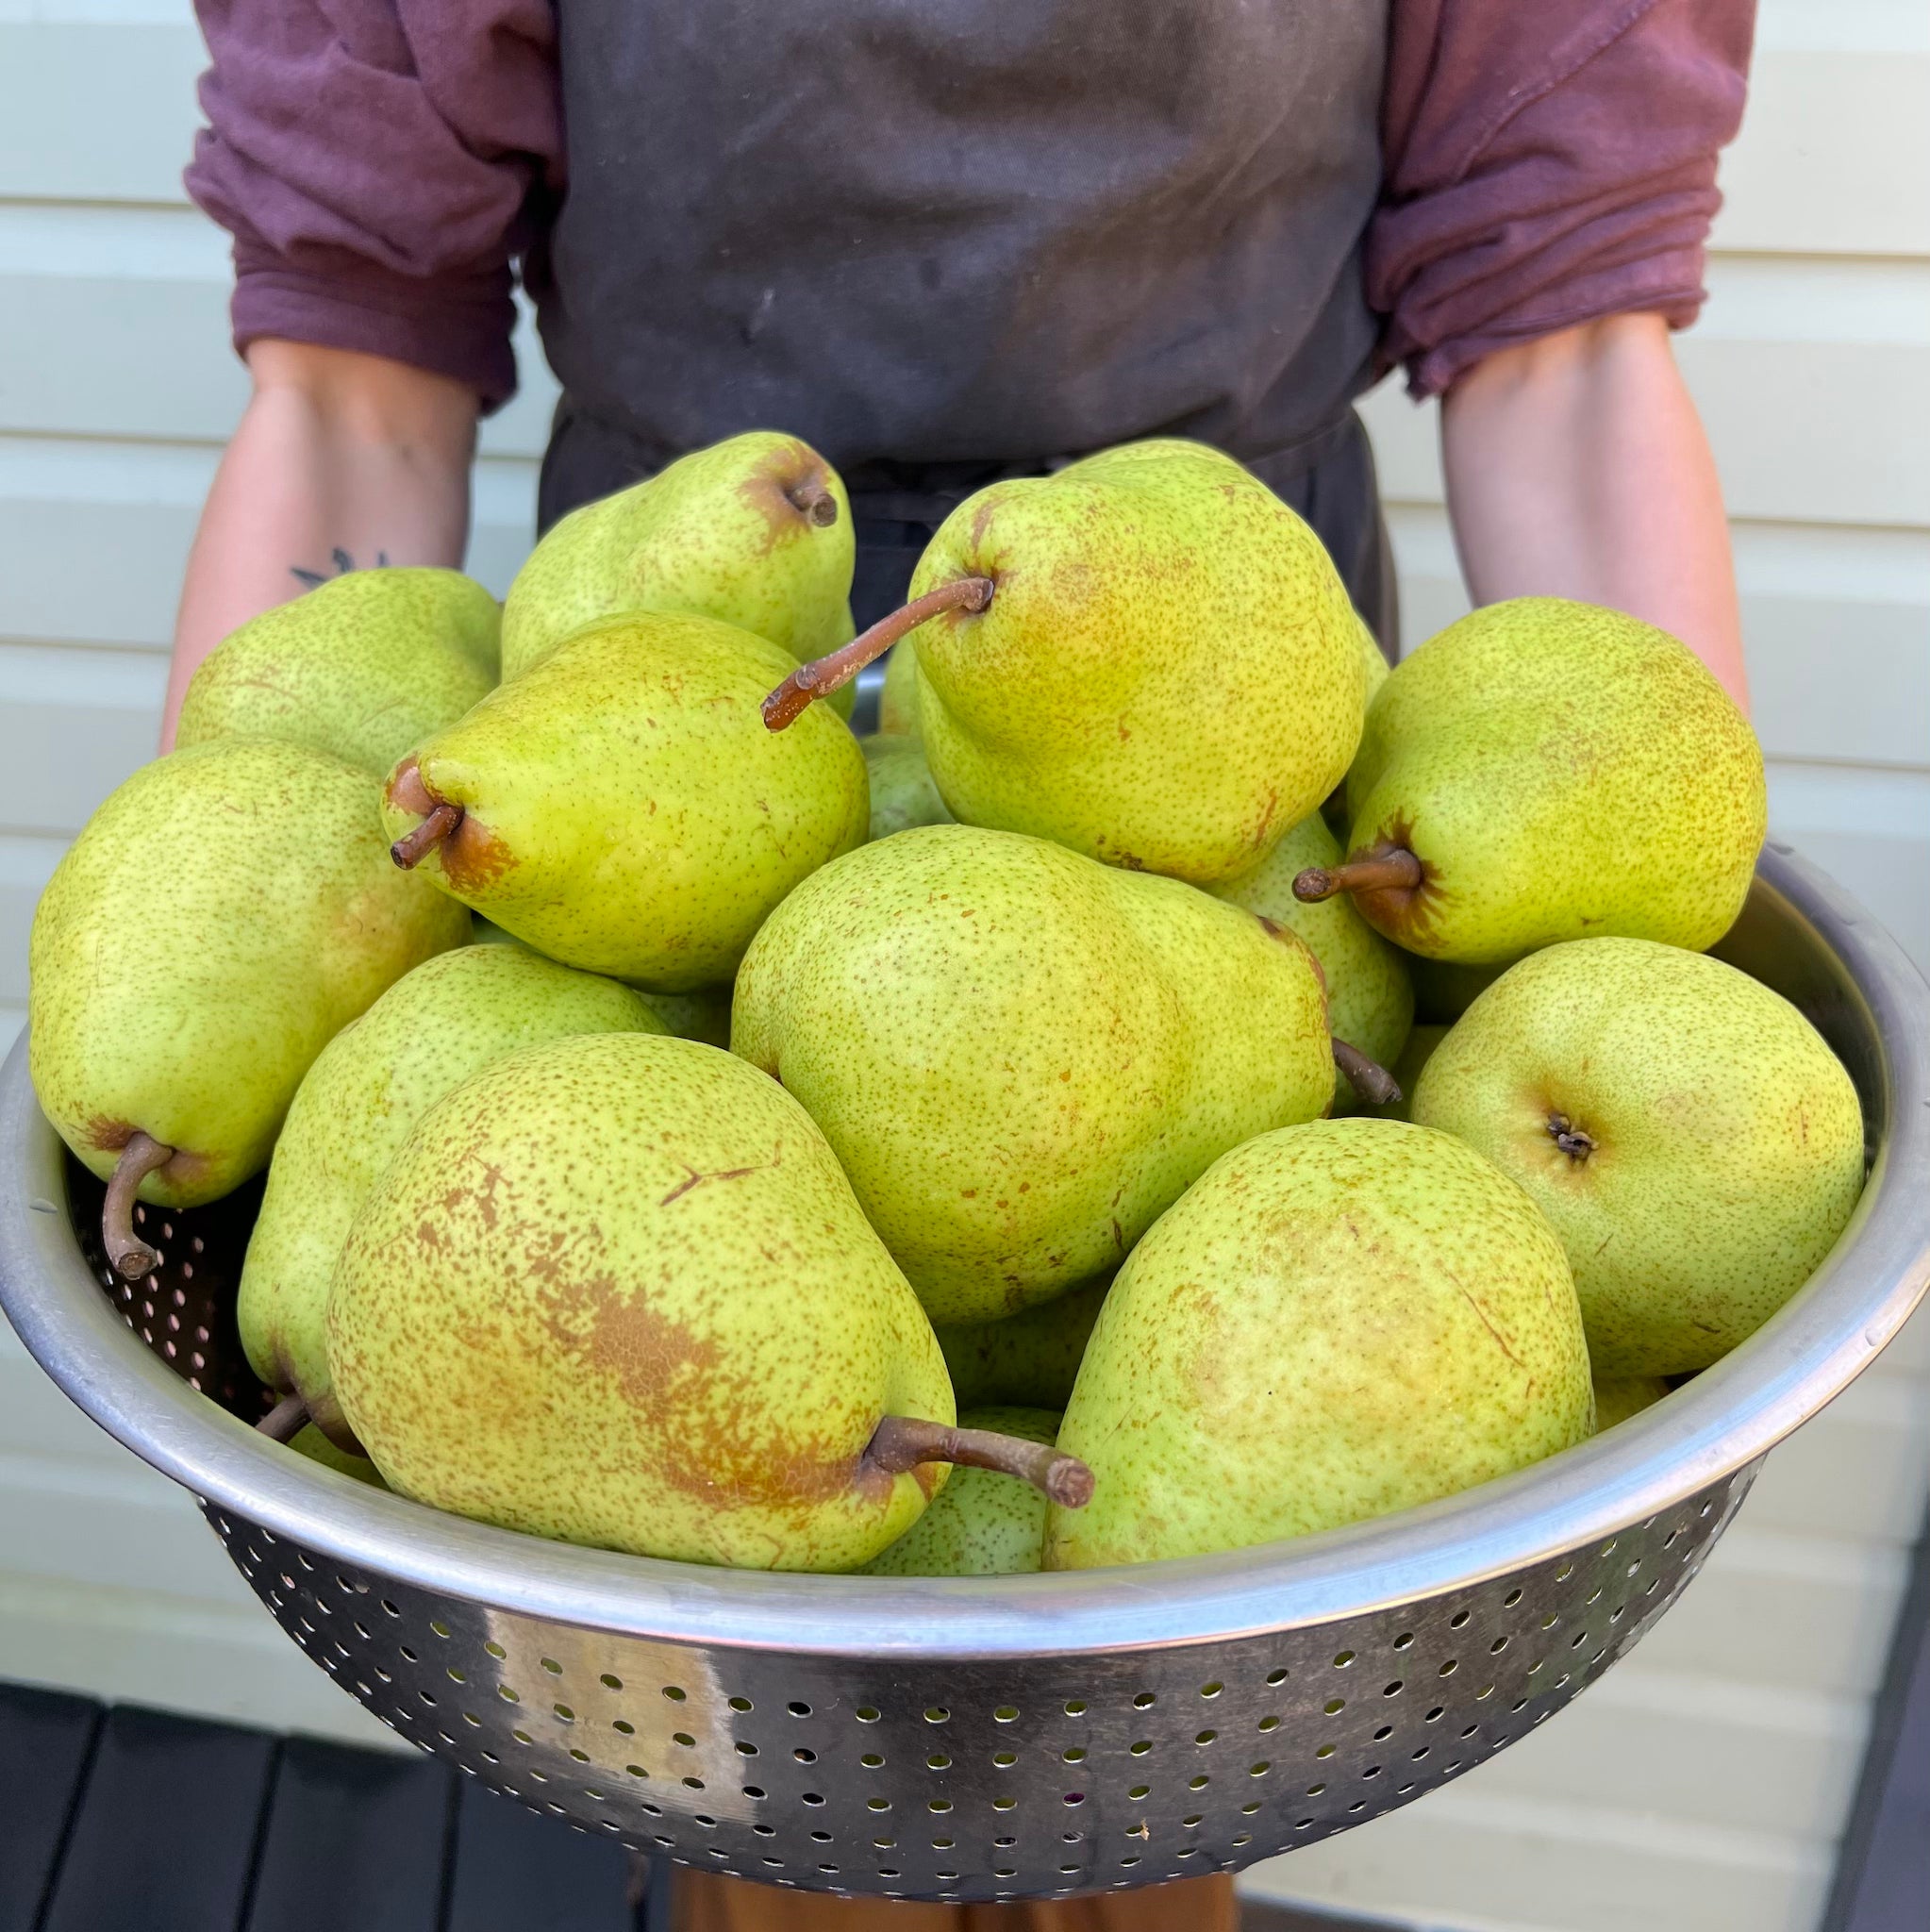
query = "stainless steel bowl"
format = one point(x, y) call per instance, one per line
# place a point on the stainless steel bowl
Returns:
point(1009, 1737)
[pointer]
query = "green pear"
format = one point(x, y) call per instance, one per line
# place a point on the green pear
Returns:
point(1545, 770)
point(701, 1015)
point(1616, 1400)
point(622, 807)
point(1337, 1320)
point(1145, 656)
point(360, 1101)
point(1445, 989)
point(1422, 1041)
point(364, 666)
point(1030, 1359)
point(308, 1441)
point(223, 916)
point(615, 1290)
point(1023, 1057)
point(983, 1522)
point(898, 700)
point(1374, 664)
point(1688, 1133)
point(755, 531)
point(1370, 1002)
point(903, 794)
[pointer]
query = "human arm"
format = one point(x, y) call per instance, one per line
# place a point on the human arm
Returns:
point(340, 459)
point(1577, 467)
point(1550, 179)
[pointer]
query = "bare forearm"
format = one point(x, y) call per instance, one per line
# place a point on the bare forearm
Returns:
point(1577, 467)
point(340, 460)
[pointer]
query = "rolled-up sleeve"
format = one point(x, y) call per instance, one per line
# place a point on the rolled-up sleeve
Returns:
point(378, 164)
point(1547, 164)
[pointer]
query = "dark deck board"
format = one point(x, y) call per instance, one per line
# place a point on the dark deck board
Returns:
point(353, 1840)
point(516, 1872)
point(46, 1742)
point(165, 1835)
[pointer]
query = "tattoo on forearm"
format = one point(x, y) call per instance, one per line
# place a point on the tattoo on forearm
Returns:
point(343, 563)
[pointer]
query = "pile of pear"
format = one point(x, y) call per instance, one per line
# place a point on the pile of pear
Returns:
point(695, 1131)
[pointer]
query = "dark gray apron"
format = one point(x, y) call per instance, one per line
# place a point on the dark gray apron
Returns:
point(946, 240)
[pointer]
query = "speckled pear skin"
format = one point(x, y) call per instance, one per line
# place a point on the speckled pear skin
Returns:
point(1374, 664)
point(1728, 1141)
point(1021, 1058)
point(626, 811)
point(1167, 675)
point(903, 794)
point(983, 1522)
point(615, 1290)
point(1030, 1359)
point(363, 667)
point(703, 1014)
point(1337, 1320)
point(357, 1105)
point(716, 534)
point(1370, 1001)
point(225, 913)
point(1616, 1400)
point(898, 699)
point(1562, 771)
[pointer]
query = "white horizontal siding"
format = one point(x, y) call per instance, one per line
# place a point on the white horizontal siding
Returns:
point(1700, 1787)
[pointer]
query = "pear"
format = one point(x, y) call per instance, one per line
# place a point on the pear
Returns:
point(1374, 664)
point(901, 791)
point(1337, 1320)
point(1146, 656)
point(308, 1441)
point(615, 1290)
point(1688, 1133)
point(1030, 1358)
point(1616, 1400)
point(1422, 1041)
point(701, 1015)
point(360, 1101)
point(1370, 1001)
point(222, 915)
point(364, 666)
point(1545, 770)
point(898, 700)
point(983, 1522)
point(622, 807)
point(1023, 1057)
point(755, 531)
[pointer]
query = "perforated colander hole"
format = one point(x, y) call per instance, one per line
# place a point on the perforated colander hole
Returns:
point(743, 1704)
point(1147, 1699)
point(753, 1791)
point(1448, 1669)
point(934, 1714)
point(1315, 1791)
point(610, 1682)
point(402, 1647)
point(1075, 1707)
point(1565, 1571)
point(1131, 1860)
point(685, 1738)
point(582, 1756)
point(1005, 1804)
point(743, 1748)
point(795, 1709)
point(1326, 1750)
point(1205, 1736)
point(695, 1784)
point(1335, 1706)
point(1005, 1714)
point(1268, 1724)
point(938, 1805)
point(564, 1714)
point(625, 1725)
point(878, 1804)
point(822, 1838)
point(636, 1771)
point(675, 1692)
point(944, 1844)
point(1140, 1749)
point(805, 1756)
point(1076, 1755)
point(938, 1762)
point(494, 1649)
point(1438, 1710)
point(1276, 1677)
point(1004, 1759)
point(1198, 1784)
point(1345, 1657)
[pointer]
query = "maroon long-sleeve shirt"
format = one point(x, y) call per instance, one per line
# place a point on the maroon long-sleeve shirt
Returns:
point(381, 165)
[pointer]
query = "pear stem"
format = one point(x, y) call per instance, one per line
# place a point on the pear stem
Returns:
point(130, 1256)
point(824, 674)
point(284, 1420)
point(1576, 1142)
point(413, 847)
point(901, 1443)
point(1397, 868)
point(1372, 1080)
point(814, 503)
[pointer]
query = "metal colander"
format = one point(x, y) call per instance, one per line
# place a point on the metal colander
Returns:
point(1009, 1737)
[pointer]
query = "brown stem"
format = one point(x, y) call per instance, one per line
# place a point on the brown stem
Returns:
point(1372, 1080)
point(130, 1256)
point(901, 1443)
point(1397, 868)
point(284, 1421)
point(823, 675)
point(1574, 1141)
point(413, 847)
point(814, 503)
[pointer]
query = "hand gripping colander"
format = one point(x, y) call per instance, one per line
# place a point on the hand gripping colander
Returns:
point(997, 1738)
